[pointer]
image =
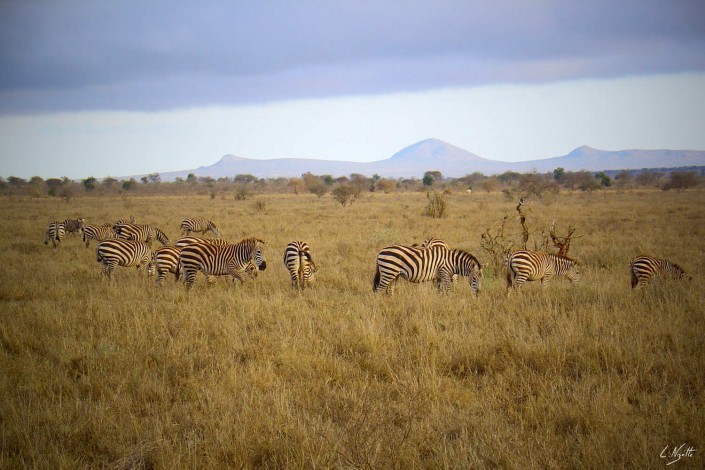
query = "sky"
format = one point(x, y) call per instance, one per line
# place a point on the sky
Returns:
point(98, 88)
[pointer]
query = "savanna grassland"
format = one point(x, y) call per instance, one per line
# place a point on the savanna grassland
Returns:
point(130, 375)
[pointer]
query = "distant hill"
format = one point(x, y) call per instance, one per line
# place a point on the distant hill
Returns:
point(451, 161)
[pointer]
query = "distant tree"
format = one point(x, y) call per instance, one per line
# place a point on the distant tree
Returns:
point(314, 184)
point(108, 182)
point(603, 179)
point(490, 185)
point(345, 194)
point(386, 185)
point(509, 177)
point(90, 183)
point(430, 177)
point(328, 180)
point(54, 185)
point(129, 185)
point(154, 178)
point(536, 185)
point(191, 178)
point(559, 174)
point(16, 182)
point(144, 180)
point(682, 180)
point(35, 187)
point(648, 178)
point(297, 184)
point(360, 182)
point(244, 178)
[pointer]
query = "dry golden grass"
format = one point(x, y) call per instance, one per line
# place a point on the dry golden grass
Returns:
point(129, 375)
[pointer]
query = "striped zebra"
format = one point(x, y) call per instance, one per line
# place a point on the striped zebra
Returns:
point(436, 263)
point(198, 225)
point(98, 233)
point(55, 233)
point(644, 268)
point(74, 225)
point(186, 241)
point(299, 262)
point(525, 266)
point(112, 253)
point(141, 233)
point(166, 260)
point(229, 260)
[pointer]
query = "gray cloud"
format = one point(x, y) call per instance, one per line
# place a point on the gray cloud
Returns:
point(162, 55)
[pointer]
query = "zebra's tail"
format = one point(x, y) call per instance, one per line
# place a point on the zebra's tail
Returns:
point(375, 283)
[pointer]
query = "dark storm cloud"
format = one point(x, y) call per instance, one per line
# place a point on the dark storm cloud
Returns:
point(164, 55)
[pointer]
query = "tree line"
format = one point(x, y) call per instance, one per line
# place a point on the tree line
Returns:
point(345, 189)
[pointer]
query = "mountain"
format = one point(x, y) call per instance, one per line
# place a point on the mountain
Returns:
point(451, 161)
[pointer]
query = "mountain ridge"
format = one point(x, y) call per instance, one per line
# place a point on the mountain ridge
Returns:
point(452, 161)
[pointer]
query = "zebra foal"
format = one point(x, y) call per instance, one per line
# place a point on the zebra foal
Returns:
point(525, 266)
point(644, 268)
point(300, 264)
point(198, 225)
point(112, 253)
point(74, 225)
point(98, 233)
point(55, 233)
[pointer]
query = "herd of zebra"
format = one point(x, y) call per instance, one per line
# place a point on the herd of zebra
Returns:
point(129, 244)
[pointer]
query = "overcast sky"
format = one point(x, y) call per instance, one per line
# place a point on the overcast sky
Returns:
point(93, 88)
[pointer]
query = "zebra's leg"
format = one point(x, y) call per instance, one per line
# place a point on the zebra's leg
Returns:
point(189, 278)
point(544, 280)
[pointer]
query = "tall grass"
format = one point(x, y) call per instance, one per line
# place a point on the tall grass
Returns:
point(129, 375)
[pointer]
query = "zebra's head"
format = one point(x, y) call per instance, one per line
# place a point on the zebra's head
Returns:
point(258, 255)
point(475, 279)
point(573, 272)
point(213, 229)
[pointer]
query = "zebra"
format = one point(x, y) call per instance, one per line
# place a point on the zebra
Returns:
point(186, 241)
point(55, 233)
point(74, 225)
point(415, 264)
point(644, 268)
point(112, 253)
point(215, 260)
point(140, 233)
point(198, 224)
point(98, 232)
point(525, 266)
point(166, 260)
point(299, 262)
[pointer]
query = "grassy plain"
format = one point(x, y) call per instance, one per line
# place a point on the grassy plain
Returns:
point(129, 375)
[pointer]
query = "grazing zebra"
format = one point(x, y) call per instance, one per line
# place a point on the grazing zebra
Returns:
point(198, 224)
point(644, 268)
point(166, 260)
point(299, 262)
point(111, 253)
point(525, 266)
point(214, 260)
point(55, 233)
point(141, 233)
point(74, 225)
point(436, 263)
point(98, 232)
point(186, 241)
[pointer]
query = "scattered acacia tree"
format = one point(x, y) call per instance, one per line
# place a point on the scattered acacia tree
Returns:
point(90, 183)
point(430, 177)
point(345, 194)
point(682, 180)
point(386, 185)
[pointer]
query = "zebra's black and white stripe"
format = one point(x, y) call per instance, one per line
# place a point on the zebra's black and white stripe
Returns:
point(525, 266)
point(55, 233)
point(644, 268)
point(198, 225)
point(299, 262)
point(141, 233)
point(186, 241)
point(98, 233)
point(74, 226)
point(228, 260)
point(166, 260)
point(112, 253)
point(435, 263)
